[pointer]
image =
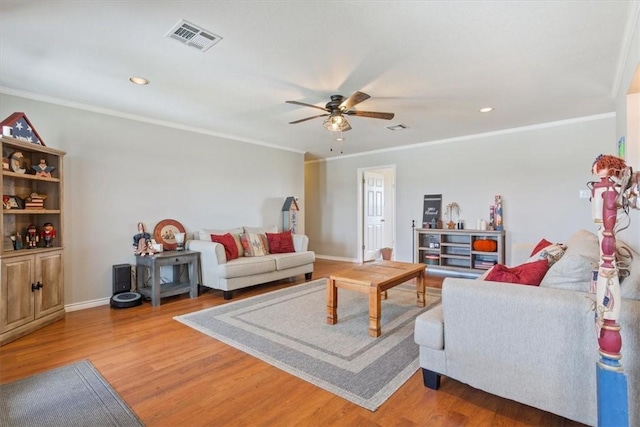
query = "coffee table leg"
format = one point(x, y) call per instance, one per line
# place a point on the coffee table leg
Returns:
point(420, 289)
point(332, 302)
point(374, 312)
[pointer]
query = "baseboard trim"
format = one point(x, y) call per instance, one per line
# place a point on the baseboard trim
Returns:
point(87, 304)
point(336, 258)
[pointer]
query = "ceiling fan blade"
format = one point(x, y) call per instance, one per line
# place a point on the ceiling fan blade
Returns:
point(307, 105)
point(354, 99)
point(308, 118)
point(371, 114)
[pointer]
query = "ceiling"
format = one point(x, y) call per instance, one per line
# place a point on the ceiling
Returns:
point(432, 63)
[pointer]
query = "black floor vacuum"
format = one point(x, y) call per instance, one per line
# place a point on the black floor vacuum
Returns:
point(122, 295)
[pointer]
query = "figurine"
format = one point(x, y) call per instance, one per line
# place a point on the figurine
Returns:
point(17, 241)
point(15, 162)
point(42, 170)
point(32, 237)
point(142, 242)
point(48, 233)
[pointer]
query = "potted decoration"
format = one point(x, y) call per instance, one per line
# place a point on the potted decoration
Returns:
point(452, 208)
point(386, 253)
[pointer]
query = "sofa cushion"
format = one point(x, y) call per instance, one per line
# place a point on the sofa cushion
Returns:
point(293, 259)
point(205, 234)
point(574, 270)
point(530, 273)
point(280, 243)
point(229, 243)
point(246, 266)
point(429, 328)
point(254, 244)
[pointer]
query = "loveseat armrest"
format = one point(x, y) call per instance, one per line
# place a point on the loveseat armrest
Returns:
point(211, 256)
point(300, 242)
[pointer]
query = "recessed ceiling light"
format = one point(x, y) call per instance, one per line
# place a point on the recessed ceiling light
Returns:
point(486, 109)
point(139, 80)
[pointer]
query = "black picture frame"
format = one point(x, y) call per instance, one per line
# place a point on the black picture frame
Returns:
point(431, 209)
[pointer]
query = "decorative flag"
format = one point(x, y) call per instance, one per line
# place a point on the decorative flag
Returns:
point(21, 128)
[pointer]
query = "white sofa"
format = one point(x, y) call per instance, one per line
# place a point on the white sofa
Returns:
point(534, 345)
point(242, 272)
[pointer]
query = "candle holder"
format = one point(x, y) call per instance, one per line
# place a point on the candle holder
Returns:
point(179, 241)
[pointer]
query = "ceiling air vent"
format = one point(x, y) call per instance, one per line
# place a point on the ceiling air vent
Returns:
point(397, 127)
point(194, 36)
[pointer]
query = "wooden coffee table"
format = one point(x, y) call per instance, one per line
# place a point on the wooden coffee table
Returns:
point(374, 279)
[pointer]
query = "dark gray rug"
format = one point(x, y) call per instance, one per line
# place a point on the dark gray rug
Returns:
point(288, 329)
point(73, 395)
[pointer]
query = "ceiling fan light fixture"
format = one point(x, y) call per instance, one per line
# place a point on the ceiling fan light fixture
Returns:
point(336, 123)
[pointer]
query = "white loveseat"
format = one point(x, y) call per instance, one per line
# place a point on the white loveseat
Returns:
point(534, 345)
point(219, 273)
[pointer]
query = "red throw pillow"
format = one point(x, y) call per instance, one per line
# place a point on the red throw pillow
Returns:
point(229, 243)
point(280, 243)
point(540, 246)
point(530, 273)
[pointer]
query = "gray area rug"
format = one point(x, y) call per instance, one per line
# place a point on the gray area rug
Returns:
point(73, 395)
point(288, 329)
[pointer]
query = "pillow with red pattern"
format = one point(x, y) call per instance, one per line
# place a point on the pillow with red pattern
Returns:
point(280, 243)
point(229, 243)
point(530, 273)
point(541, 245)
point(552, 252)
point(254, 244)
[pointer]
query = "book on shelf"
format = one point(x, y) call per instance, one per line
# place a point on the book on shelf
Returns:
point(483, 265)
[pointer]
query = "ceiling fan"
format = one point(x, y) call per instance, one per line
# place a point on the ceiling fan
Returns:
point(338, 107)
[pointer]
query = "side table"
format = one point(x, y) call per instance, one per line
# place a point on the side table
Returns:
point(158, 290)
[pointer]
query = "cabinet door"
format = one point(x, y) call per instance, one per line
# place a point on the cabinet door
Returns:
point(16, 295)
point(48, 273)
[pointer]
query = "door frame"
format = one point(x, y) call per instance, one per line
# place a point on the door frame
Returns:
point(389, 197)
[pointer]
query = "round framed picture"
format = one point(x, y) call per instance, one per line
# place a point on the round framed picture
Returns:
point(165, 231)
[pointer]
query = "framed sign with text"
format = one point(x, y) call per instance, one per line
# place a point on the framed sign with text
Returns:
point(432, 207)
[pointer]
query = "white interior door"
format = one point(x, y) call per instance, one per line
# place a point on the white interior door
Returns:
point(373, 214)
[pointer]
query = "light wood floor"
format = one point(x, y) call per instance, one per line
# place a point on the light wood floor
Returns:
point(172, 375)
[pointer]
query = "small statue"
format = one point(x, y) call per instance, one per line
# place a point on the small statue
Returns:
point(42, 170)
point(142, 242)
point(32, 237)
point(48, 233)
point(17, 241)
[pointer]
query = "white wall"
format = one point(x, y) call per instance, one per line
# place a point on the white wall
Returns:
point(538, 170)
point(628, 107)
point(119, 171)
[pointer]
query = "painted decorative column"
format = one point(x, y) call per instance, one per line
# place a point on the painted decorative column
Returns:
point(613, 406)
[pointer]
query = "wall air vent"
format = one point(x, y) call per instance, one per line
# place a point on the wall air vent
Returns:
point(194, 36)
